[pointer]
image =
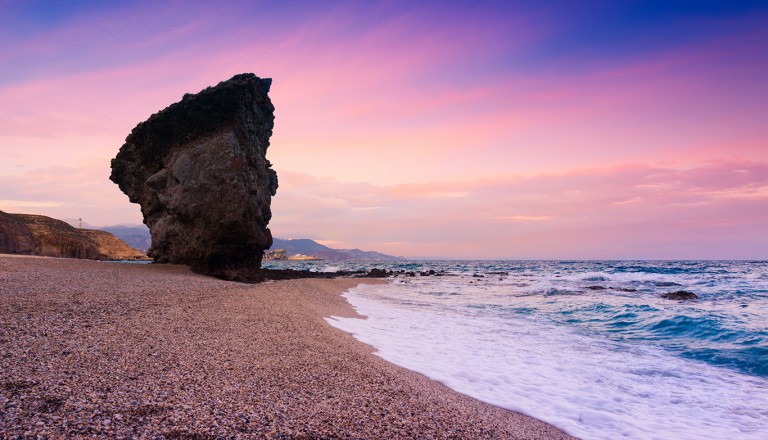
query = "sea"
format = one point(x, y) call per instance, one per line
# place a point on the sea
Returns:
point(588, 346)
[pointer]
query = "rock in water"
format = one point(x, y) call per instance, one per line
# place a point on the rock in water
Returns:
point(198, 169)
point(680, 295)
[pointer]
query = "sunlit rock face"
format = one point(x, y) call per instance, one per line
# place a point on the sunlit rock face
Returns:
point(198, 169)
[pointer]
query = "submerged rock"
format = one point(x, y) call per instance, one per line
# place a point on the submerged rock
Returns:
point(680, 295)
point(199, 171)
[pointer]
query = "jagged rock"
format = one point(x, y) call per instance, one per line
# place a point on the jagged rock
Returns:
point(55, 238)
point(198, 169)
point(377, 273)
point(15, 236)
point(680, 295)
point(111, 247)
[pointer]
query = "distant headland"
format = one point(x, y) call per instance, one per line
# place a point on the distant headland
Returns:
point(28, 234)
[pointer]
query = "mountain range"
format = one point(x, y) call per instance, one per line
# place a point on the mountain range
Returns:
point(137, 236)
point(306, 246)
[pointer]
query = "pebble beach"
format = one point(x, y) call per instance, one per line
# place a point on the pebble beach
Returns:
point(111, 350)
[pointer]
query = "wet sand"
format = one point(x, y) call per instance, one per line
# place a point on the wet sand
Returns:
point(112, 350)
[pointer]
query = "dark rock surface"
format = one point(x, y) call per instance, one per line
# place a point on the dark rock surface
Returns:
point(680, 295)
point(15, 236)
point(257, 276)
point(198, 169)
point(378, 273)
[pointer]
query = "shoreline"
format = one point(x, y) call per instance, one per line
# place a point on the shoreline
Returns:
point(121, 350)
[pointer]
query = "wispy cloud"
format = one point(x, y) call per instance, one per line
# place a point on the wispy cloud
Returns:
point(66, 192)
point(497, 130)
point(601, 213)
point(15, 205)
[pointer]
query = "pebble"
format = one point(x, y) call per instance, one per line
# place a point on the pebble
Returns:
point(231, 361)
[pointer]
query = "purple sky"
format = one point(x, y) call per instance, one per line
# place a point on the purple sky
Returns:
point(444, 129)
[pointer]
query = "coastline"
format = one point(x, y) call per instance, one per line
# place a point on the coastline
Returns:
point(119, 350)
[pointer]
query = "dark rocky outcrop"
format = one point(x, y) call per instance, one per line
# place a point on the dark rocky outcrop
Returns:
point(680, 295)
point(15, 236)
point(378, 273)
point(198, 169)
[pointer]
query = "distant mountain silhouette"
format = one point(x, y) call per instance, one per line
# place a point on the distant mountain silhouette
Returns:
point(306, 246)
point(138, 237)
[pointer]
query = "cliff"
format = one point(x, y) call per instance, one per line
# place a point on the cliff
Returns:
point(112, 247)
point(55, 238)
point(198, 169)
point(29, 234)
point(15, 236)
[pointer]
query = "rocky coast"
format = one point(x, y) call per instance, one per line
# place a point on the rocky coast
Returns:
point(113, 350)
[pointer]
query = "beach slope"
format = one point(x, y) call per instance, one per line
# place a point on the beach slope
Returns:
point(92, 349)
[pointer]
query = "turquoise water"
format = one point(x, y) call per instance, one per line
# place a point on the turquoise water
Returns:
point(588, 346)
point(727, 326)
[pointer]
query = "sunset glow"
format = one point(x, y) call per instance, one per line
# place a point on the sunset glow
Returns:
point(422, 129)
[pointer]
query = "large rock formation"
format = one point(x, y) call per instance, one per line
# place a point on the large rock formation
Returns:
point(15, 236)
point(198, 169)
point(29, 234)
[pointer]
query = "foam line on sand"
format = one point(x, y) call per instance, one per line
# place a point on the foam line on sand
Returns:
point(92, 349)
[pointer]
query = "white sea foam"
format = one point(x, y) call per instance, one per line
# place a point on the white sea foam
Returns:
point(592, 388)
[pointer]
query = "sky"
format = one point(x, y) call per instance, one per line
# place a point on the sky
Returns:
point(443, 129)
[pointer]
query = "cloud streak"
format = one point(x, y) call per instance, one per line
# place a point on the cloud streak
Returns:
point(632, 211)
point(438, 129)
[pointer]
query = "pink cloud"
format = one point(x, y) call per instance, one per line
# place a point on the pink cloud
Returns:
point(460, 155)
point(66, 192)
point(623, 212)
